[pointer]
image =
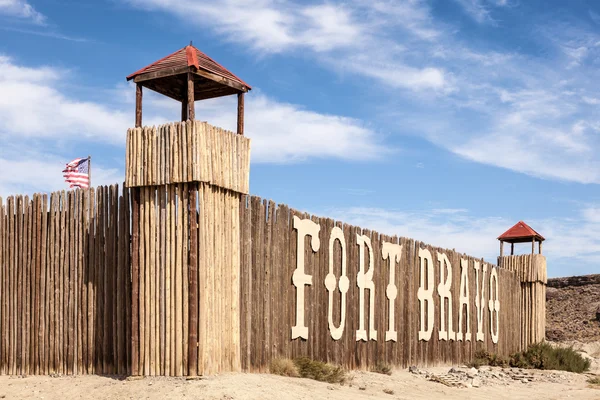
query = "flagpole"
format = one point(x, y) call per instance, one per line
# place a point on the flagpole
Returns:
point(90, 170)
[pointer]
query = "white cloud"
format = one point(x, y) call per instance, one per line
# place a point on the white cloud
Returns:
point(39, 121)
point(32, 105)
point(283, 132)
point(269, 25)
point(21, 9)
point(39, 172)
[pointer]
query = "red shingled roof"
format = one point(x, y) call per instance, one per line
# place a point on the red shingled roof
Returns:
point(189, 56)
point(520, 231)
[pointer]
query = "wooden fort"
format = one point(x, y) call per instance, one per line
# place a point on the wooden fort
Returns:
point(182, 272)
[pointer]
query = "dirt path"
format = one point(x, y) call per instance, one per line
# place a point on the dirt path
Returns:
point(362, 385)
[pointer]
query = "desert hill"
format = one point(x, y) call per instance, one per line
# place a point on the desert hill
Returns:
point(573, 309)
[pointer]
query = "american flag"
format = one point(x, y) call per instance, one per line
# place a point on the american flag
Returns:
point(77, 173)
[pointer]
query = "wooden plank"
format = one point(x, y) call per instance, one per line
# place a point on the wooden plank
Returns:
point(135, 281)
point(43, 337)
point(128, 343)
point(184, 279)
point(147, 282)
point(178, 286)
point(151, 300)
point(193, 284)
point(171, 288)
point(163, 263)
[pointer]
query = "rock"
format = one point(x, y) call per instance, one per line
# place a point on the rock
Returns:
point(598, 314)
point(413, 369)
point(472, 373)
point(525, 380)
point(476, 382)
point(362, 388)
point(552, 293)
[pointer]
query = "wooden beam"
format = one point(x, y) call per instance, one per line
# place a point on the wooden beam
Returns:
point(240, 114)
point(138, 105)
point(533, 246)
point(160, 74)
point(169, 92)
point(221, 80)
point(540, 248)
point(190, 97)
point(226, 91)
point(501, 248)
point(184, 109)
point(512, 249)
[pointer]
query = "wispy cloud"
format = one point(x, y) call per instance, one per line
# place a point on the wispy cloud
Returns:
point(21, 9)
point(531, 113)
point(572, 245)
point(45, 33)
point(476, 9)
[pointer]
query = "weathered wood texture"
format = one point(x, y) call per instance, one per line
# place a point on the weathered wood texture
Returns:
point(191, 151)
point(268, 297)
point(531, 271)
point(188, 280)
point(64, 268)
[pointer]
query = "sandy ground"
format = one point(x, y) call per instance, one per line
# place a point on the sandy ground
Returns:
point(363, 385)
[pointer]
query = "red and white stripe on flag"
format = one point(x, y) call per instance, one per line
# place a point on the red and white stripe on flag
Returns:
point(77, 173)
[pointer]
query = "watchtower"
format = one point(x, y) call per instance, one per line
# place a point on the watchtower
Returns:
point(531, 271)
point(187, 180)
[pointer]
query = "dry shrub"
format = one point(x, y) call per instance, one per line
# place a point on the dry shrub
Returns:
point(382, 368)
point(483, 357)
point(319, 371)
point(284, 367)
point(545, 356)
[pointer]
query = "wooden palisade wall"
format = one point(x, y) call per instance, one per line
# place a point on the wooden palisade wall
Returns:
point(268, 297)
point(64, 287)
point(183, 273)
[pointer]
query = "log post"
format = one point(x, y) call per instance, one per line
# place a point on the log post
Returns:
point(138, 105)
point(501, 248)
point(184, 109)
point(240, 114)
point(512, 249)
point(193, 284)
point(540, 248)
point(135, 272)
point(533, 246)
point(190, 97)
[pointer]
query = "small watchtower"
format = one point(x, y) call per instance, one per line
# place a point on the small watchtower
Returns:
point(188, 75)
point(520, 233)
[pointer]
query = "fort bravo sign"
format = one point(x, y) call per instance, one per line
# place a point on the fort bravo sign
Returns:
point(392, 253)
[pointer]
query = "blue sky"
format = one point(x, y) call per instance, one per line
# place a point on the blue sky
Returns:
point(444, 120)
